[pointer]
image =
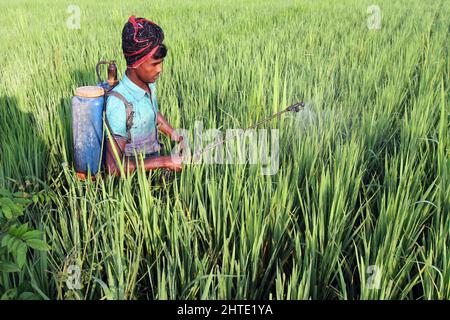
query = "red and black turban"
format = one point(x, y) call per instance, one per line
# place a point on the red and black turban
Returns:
point(141, 38)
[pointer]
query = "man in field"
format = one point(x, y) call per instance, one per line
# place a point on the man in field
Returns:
point(132, 112)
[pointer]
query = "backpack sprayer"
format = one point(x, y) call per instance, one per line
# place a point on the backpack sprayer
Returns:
point(88, 105)
point(87, 122)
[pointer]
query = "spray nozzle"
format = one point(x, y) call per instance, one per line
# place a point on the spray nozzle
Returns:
point(296, 107)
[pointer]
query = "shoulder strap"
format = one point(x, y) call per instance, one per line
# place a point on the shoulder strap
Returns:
point(109, 128)
point(129, 110)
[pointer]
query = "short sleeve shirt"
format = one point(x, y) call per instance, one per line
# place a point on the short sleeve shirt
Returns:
point(144, 133)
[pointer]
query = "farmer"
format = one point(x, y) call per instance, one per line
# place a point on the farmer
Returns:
point(144, 54)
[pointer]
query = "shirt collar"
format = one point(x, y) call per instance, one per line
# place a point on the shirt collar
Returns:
point(136, 91)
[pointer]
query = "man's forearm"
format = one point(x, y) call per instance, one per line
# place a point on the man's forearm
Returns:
point(149, 164)
point(130, 165)
point(164, 126)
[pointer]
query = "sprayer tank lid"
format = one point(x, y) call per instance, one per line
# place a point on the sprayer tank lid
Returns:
point(89, 92)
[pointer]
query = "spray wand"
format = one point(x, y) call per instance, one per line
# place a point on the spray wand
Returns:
point(292, 108)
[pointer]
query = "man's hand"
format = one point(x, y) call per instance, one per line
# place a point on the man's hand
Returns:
point(175, 163)
point(176, 137)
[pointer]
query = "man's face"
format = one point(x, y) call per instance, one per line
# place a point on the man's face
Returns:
point(150, 70)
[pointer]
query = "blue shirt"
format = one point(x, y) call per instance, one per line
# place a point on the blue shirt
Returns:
point(144, 133)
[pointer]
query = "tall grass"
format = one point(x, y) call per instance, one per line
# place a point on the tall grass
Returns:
point(364, 171)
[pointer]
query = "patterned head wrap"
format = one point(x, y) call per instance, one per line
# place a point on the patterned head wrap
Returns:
point(141, 38)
